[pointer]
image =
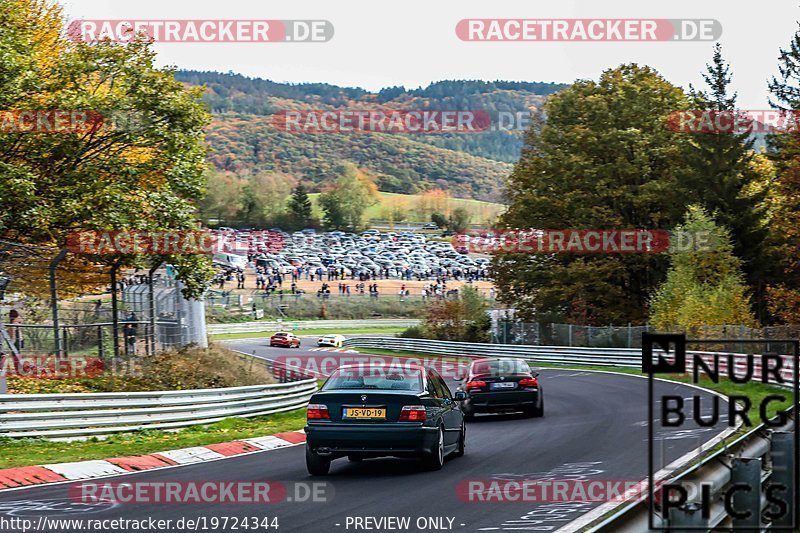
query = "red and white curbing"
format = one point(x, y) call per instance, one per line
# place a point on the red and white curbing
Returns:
point(54, 473)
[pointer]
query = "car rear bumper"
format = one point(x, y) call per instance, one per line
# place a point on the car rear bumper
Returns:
point(486, 402)
point(395, 439)
point(282, 344)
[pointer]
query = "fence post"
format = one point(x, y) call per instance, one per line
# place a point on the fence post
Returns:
point(54, 298)
point(686, 518)
point(748, 473)
point(101, 350)
point(65, 346)
point(569, 332)
point(783, 454)
point(630, 336)
point(741, 336)
point(151, 341)
point(114, 308)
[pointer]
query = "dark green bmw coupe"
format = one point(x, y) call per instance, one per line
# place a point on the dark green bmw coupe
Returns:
point(365, 411)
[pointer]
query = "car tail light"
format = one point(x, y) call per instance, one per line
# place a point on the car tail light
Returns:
point(476, 384)
point(528, 382)
point(413, 413)
point(317, 411)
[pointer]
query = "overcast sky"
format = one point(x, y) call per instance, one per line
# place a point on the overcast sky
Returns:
point(413, 42)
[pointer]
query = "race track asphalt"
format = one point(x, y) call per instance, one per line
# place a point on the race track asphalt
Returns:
point(595, 428)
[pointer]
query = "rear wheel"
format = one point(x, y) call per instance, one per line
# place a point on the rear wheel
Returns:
point(316, 464)
point(462, 439)
point(536, 411)
point(434, 460)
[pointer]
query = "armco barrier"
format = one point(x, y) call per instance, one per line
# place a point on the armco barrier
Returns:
point(607, 357)
point(624, 357)
point(87, 414)
point(289, 325)
point(758, 458)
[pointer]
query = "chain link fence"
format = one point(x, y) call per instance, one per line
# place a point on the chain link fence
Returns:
point(630, 336)
point(227, 307)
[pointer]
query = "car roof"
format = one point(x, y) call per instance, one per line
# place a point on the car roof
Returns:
point(505, 363)
point(412, 366)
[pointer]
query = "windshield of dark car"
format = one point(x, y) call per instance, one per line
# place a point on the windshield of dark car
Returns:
point(375, 378)
point(500, 368)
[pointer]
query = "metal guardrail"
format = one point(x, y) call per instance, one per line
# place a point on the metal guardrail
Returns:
point(88, 414)
point(607, 357)
point(758, 458)
point(631, 358)
point(264, 325)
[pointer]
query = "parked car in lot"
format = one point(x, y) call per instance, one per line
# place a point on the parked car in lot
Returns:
point(365, 411)
point(226, 260)
point(369, 254)
point(331, 340)
point(284, 339)
point(497, 385)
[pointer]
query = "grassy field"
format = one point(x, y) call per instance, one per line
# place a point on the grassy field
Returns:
point(308, 332)
point(410, 203)
point(27, 452)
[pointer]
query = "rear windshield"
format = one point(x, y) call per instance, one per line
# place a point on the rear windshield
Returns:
point(375, 378)
point(500, 368)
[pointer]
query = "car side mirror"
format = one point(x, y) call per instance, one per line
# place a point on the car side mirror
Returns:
point(535, 374)
point(460, 396)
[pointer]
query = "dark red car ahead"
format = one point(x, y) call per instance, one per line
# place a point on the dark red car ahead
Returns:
point(498, 385)
point(284, 340)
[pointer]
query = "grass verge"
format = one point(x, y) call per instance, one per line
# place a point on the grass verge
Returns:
point(28, 452)
point(308, 332)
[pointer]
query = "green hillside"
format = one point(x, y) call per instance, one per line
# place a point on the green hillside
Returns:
point(244, 140)
point(417, 210)
point(248, 143)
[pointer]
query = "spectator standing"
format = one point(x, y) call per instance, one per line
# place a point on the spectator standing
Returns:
point(15, 319)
